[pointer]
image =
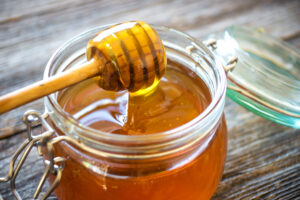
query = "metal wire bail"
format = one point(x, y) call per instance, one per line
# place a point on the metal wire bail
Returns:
point(54, 166)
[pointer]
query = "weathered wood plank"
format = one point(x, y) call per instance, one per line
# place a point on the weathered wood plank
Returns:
point(263, 157)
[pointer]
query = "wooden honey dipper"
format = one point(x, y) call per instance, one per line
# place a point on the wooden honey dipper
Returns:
point(128, 56)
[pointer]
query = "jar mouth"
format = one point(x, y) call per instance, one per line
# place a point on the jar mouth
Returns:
point(204, 60)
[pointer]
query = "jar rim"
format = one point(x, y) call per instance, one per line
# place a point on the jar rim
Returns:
point(217, 99)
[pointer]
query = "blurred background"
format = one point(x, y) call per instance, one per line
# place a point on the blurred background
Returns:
point(31, 30)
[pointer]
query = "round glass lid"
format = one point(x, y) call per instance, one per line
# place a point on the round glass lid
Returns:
point(266, 78)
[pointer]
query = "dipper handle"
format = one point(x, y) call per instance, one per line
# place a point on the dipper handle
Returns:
point(48, 86)
point(127, 56)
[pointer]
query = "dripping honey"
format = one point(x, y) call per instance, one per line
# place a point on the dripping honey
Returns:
point(178, 98)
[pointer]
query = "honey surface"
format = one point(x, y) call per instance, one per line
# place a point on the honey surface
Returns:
point(179, 98)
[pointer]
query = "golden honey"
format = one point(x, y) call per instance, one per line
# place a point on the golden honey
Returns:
point(179, 98)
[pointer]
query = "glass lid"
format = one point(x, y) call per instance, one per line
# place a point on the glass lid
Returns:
point(266, 78)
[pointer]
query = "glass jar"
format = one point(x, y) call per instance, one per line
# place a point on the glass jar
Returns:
point(183, 163)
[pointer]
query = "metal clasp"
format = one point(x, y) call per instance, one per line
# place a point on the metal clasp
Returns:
point(54, 165)
point(44, 141)
point(231, 63)
point(212, 45)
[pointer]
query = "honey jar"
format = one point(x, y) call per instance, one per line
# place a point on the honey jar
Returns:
point(173, 146)
point(182, 147)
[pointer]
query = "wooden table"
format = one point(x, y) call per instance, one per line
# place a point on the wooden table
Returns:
point(263, 159)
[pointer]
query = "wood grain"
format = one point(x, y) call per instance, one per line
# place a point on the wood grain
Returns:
point(263, 159)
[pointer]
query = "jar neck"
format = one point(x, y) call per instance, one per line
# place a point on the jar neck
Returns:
point(158, 145)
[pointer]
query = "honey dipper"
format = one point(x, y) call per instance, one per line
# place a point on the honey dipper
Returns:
point(128, 56)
